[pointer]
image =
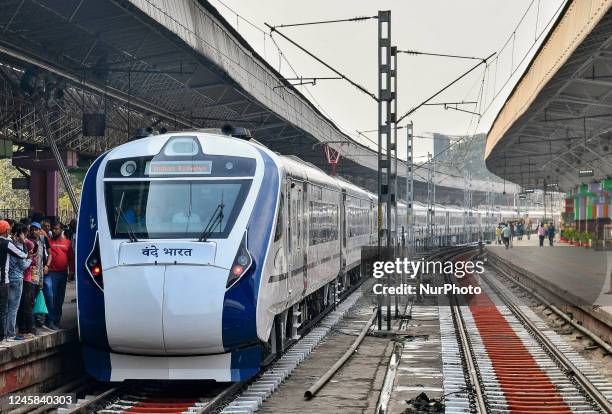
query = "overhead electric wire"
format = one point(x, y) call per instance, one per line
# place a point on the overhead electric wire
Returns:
point(411, 111)
point(415, 52)
point(281, 56)
point(352, 19)
point(321, 61)
point(524, 56)
point(496, 60)
point(284, 57)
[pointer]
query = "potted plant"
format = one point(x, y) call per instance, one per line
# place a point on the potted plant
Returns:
point(570, 235)
point(584, 239)
point(589, 239)
point(576, 238)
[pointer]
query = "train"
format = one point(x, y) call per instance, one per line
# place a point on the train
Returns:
point(201, 255)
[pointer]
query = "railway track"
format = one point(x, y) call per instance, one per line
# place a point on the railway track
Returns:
point(513, 362)
point(167, 397)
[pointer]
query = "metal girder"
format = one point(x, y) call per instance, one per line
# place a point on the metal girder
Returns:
point(93, 86)
point(584, 101)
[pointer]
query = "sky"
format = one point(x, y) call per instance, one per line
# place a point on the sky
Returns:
point(477, 28)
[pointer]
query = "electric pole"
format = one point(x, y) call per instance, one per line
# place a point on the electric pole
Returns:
point(386, 135)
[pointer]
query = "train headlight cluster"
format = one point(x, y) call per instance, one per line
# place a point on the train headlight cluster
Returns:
point(128, 168)
point(94, 265)
point(242, 263)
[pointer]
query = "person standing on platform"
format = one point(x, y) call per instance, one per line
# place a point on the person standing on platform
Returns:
point(46, 228)
point(541, 234)
point(506, 234)
point(498, 234)
point(528, 228)
point(519, 230)
point(61, 268)
point(551, 234)
point(44, 238)
point(26, 321)
point(7, 250)
point(17, 268)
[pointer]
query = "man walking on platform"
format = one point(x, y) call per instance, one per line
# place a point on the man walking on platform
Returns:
point(528, 228)
point(551, 233)
point(54, 283)
point(541, 234)
point(498, 234)
point(506, 234)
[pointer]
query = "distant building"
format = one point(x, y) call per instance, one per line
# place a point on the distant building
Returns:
point(440, 144)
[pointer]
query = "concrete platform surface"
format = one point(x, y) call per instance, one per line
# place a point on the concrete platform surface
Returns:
point(68, 323)
point(578, 274)
point(44, 362)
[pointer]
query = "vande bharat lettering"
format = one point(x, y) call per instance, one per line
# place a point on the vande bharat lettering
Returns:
point(153, 251)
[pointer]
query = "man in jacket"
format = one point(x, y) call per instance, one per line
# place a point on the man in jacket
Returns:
point(17, 268)
point(7, 249)
point(551, 234)
point(506, 234)
point(60, 268)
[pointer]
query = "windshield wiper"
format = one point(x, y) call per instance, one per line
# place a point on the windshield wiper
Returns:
point(121, 214)
point(216, 218)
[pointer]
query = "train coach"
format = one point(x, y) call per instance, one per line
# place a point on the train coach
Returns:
point(201, 255)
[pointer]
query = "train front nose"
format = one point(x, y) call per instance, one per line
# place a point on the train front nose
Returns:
point(166, 309)
point(192, 309)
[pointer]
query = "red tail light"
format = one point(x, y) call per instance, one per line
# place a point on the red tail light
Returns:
point(94, 265)
point(242, 263)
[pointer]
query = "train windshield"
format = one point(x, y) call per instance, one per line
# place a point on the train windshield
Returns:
point(173, 209)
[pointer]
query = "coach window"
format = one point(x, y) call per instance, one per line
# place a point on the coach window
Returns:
point(279, 219)
point(290, 227)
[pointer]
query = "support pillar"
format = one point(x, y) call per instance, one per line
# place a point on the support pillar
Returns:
point(44, 178)
point(44, 191)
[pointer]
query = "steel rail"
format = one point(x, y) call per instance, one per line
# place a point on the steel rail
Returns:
point(312, 391)
point(218, 400)
point(472, 368)
point(466, 346)
point(97, 401)
point(594, 337)
point(570, 368)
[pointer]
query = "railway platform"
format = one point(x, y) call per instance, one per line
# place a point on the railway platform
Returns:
point(45, 361)
point(566, 275)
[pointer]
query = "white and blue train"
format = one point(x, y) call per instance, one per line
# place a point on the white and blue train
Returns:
point(200, 255)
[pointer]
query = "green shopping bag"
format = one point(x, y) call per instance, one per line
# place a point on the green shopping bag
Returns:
point(40, 306)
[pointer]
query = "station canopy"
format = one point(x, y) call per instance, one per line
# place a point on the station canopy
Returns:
point(555, 129)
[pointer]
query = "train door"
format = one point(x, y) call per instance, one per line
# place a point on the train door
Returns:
point(294, 236)
point(343, 231)
point(289, 236)
point(447, 227)
point(305, 234)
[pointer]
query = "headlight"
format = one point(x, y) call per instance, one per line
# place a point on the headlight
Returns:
point(242, 263)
